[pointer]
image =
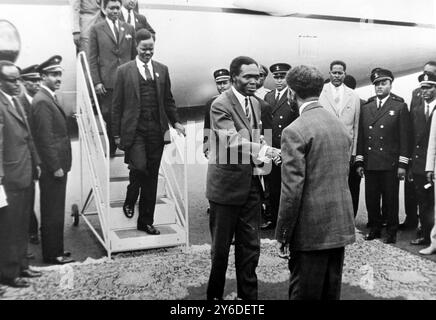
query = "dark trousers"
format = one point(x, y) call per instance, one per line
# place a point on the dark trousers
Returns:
point(382, 185)
point(242, 222)
point(33, 221)
point(52, 203)
point(275, 186)
point(410, 204)
point(14, 222)
point(425, 199)
point(354, 185)
point(105, 102)
point(144, 158)
point(316, 275)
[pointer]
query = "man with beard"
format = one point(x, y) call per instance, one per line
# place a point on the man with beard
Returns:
point(143, 106)
point(233, 187)
point(19, 166)
point(49, 125)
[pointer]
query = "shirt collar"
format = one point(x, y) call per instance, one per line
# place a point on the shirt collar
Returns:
point(111, 24)
point(383, 101)
point(240, 97)
point(9, 97)
point(339, 89)
point(304, 105)
point(48, 89)
point(431, 104)
point(28, 97)
point(141, 64)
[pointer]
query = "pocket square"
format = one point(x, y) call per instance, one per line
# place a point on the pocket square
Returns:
point(128, 36)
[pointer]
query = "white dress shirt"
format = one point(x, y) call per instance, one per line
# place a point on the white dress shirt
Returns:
point(111, 25)
point(383, 101)
point(125, 13)
point(140, 65)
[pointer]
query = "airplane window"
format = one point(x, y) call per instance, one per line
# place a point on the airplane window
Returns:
point(10, 43)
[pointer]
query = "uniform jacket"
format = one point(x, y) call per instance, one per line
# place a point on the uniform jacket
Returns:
point(140, 22)
point(348, 113)
point(282, 115)
point(27, 106)
point(105, 54)
point(232, 157)
point(126, 101)
point(18, 155)
point(431, 149)
point(420, 135)
point(50, 132)
point(316, 212)
point(383, 139)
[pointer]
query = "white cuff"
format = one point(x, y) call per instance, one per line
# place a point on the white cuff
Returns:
point(262, 154)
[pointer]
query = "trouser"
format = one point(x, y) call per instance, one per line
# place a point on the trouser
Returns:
point(275, 190)
point(410, 204)
point(52, 203)
point(14, 222)
point(144, 158)
point(33, 221)
point(105, 102)
point(354, 185)
point(425, 199)
point(316, 275)
point(242, 221)
point(382, 185)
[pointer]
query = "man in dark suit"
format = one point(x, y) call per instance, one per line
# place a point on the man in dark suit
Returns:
point(143, 105)
point(112, 43)
point(383, 150)
point(421, 113)
point(31, 80)
point(134, 18)
point(282, 115)
point(316, 219)
point(222, 81)
point(19, 165)
point(49, 125)
point(233, 186)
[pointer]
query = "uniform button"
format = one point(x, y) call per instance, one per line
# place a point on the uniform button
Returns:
point(382, 126)
point(281, 117)
point(370, 127)
point(369, 137)
point(279, 135)
point(381, 138)
point(417, 147)
point(369, 148)
point(280, 125)
point(381, 149)
point(416, 156)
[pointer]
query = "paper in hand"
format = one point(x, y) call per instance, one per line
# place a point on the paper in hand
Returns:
point(3, 198)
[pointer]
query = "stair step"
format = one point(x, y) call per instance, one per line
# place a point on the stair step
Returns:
point(119, 179)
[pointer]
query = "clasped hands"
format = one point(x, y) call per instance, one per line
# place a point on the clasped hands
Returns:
point(274, 154)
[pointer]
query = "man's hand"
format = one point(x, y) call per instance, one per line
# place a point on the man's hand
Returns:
point(76, 39)
point(409, 175)
point(272, 153)
point(59, 173)
point(401, 173)
point(180, 129)
point(352, 159)
point(284, 251)
point(429, 174)
point(206, 154)
point(100, 89)
point(360, 171)
point(117, 141)
point(38, 172)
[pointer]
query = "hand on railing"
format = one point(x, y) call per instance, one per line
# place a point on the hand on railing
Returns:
point(100, 89)
point(180, 129)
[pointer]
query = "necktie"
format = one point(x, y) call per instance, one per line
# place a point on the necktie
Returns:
point(17, 107)
point(117, 34)
point(56, 99)
point(247, 109)
point(147, 72)
point(427, 111)
point(379, 105)
point(128, 16)
point(277, 98)
point(337, 98)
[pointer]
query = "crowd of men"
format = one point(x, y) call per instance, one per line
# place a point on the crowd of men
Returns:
point(302, 149)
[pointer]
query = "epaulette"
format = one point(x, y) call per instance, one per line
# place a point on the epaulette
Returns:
point(397, 98)
point(371, 99)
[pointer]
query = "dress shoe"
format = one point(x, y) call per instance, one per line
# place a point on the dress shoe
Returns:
point(34, 239)
point(128, 210)
point(2, 292)
point(59, 260)
point(67, 254)
point(29, 273)
point(372, 235)
point(428, 251)
point(149, 229)
point(16, 283)
point(30, 256)
point(419, 242)
point(391, 238)
point(267, 225)
point(384, 223)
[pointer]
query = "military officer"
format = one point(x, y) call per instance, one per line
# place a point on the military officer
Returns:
point(283, 113)
point(383, 153)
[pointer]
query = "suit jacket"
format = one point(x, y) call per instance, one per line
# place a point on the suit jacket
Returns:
point(348, 112)
point(316, 212)
point(233, 150)
point(140, 22)
point(383, 139)
point(18, 155)
point(431, 149)
point(420, 136)
point(105, 54)
point(51, 132)
point(282, 115)
point(27, 106)
point(126, 101)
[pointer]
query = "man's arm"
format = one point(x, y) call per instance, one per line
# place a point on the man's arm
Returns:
point(117, 103)
point(146, 25)
point(94, 53)
point(431, 149)
point(75, 12)
point(355, 124)
point(2, 173)
point(293, 178)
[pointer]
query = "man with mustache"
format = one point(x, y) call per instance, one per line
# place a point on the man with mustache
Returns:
point(143, 106)
point(383, 153)
point(49, 125)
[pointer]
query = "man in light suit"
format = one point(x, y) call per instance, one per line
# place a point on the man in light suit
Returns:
point(49, 125)
point(31, 80)
point(344, 103)
point(143, 105)
point(19, 166)
point(112, 43)
point(233, 187)
point(316, 214)
point(134, 18)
